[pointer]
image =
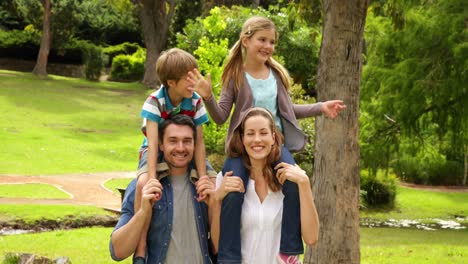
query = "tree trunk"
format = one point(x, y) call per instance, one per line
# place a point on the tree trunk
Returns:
point(155, 20)
point(336, 171)
point(40, 69)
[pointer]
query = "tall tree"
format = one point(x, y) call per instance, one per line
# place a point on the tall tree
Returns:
point(155, 17)
point(40, 69)
point(336, 172)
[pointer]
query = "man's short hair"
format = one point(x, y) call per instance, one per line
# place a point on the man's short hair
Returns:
point(181, 120)
point(173, 64)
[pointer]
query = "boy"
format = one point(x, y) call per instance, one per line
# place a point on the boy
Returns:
point(175, 97)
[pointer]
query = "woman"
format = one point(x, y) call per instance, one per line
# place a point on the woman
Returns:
point(258, 142)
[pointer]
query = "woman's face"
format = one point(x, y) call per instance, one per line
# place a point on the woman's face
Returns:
point(258, 138)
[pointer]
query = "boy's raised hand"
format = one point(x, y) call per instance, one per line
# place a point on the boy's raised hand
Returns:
point(200, 85)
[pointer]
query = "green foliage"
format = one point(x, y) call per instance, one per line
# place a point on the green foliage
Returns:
point(66, 15)
point(380, 190)
point(414, 85)
point(19, 38)
point(105, 20)
point(93, 60)
point(426, 165)
point(125, 48)
point(129, 67)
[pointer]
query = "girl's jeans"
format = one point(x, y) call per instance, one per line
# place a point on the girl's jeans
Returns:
point(231, 209)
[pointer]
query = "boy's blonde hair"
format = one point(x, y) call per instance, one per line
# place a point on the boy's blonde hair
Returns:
point(235, 60)
point(173, 64)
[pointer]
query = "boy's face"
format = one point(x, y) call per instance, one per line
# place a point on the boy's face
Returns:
point(179, 89)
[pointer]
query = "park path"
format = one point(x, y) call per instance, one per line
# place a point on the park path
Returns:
point(88, 189)
point(84, 189)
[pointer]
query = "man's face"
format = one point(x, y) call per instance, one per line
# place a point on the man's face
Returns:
point(178, 146)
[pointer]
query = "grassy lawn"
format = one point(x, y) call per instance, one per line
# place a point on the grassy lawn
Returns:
point(424, 205)
point(32, 191)
point(378, 245)
point(409, 246)
point(117, 183)
point(31, 213)
point(67, 125)
point(85, 245)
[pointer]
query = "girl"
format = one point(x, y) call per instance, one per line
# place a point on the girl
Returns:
point(251, 78)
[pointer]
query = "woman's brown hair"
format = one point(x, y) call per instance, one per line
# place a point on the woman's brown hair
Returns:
point(237, 149)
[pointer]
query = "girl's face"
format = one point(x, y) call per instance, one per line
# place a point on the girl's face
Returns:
point(258, 138)
point(260, 46)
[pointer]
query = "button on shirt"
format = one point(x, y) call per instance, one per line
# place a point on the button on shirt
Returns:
point(260, 225)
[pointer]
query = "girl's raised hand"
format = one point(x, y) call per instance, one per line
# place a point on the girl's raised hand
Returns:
point(200, 85)
point(332, 108)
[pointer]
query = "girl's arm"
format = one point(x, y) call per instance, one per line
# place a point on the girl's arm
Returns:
point(219, 112)
point(329, 108)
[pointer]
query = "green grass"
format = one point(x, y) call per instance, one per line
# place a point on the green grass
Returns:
point(378, 245)
point(31, 213)
point(117, 183)
point(85, 245)
point(32, 191)
point(423, 204)
point(410, 246)
point(67, 125)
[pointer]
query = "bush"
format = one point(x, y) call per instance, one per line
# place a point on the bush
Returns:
point(93, 60)
point(125, 48)
point(378, 190)
point(129, 67)
point(428, 166)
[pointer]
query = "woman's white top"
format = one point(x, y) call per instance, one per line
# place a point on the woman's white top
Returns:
point(260, 225)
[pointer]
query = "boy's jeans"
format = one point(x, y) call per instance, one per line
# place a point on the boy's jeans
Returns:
point(231, 209)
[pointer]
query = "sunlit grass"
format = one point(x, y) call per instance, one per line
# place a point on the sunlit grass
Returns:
point(31, 213)
point(68, 125)
point(411, 246)
point(85, 245)
point(117, 183)
point(423, 204)
point(32, 191)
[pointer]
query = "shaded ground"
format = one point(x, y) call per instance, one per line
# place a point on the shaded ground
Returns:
point(85, 189)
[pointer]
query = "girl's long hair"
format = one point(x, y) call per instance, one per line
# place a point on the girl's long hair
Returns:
point(237, 149)
point(234, 64)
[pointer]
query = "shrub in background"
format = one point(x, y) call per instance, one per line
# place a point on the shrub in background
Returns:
point(379, 190)
point(125, 48)
point(93, 60)
point(128, 67)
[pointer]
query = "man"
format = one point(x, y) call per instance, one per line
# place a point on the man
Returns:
point(178, 222)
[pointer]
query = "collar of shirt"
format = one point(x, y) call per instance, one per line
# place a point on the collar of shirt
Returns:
point(163, 171)
point(186, 103)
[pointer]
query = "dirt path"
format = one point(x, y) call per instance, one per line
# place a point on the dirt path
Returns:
point(88, 189)
point(84, 189)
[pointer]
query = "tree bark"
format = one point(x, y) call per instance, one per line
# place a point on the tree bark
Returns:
point(336, 170)
point(155, 20)
point(40, 69)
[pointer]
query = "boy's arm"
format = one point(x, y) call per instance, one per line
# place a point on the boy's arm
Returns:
point(200, 153)
point(153, 148)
